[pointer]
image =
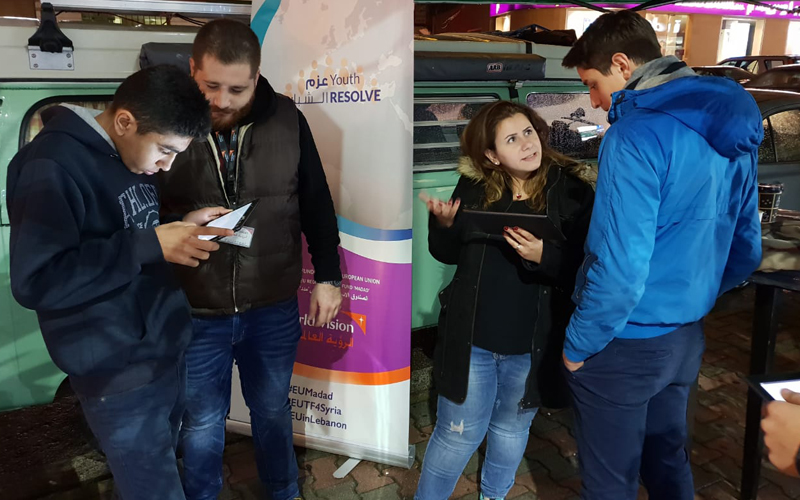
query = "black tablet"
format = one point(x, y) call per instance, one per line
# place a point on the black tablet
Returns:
point(232, 220)
point(492, 223)
point(769, 386)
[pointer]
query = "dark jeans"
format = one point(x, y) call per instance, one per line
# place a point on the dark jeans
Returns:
point(263, 342)
point(138, 432)
point(630, 416)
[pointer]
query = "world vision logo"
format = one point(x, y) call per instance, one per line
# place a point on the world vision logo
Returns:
point(495, 67)
point(359, 319)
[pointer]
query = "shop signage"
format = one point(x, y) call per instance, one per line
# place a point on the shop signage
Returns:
point(778, 9)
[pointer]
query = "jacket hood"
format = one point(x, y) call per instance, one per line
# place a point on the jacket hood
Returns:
point(718, 109)
point(469, 170)
point(61, 120)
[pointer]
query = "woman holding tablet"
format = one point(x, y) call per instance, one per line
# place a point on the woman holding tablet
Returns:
point(501, 328)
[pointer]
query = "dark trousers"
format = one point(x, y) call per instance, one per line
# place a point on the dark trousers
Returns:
point(630, 416)
point(138, 432)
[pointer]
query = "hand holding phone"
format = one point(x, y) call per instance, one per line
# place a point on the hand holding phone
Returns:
point(233, 220)
point(203, 216)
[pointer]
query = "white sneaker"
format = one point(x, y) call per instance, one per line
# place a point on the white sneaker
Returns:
point(484, 498)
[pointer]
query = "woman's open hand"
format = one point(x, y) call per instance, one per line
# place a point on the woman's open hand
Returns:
point(445, 212)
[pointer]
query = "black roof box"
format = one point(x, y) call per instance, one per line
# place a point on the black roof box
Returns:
point(428, 66)
point(472, 66)
point(177, 54)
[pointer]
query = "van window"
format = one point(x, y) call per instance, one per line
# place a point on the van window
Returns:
point(438, 125)
point(576, 128)
point(32, 123)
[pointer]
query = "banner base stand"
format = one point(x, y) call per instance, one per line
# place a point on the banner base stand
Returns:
point(357, 452)
point(346, 468)
point(331, 446)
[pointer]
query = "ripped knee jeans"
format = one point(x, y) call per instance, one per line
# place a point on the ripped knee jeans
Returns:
point(491, 410)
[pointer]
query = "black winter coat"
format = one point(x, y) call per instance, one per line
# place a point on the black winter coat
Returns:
point(569, 205)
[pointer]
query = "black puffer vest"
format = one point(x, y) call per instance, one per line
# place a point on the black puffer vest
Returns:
point(236, 279)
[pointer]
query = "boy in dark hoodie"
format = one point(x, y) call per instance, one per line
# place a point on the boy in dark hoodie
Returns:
point(675, 224)
point(89, 256)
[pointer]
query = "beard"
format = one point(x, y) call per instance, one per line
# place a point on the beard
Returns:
point(227, 119)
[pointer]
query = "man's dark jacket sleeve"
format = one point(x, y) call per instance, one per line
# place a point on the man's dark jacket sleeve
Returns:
point(317, 215)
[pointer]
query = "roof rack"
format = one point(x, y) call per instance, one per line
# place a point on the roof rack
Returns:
point(196, 8)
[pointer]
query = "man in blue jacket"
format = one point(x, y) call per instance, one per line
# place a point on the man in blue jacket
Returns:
point(89, 256)
point(675, 225)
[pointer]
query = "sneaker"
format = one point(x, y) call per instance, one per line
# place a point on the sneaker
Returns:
point(484, 498)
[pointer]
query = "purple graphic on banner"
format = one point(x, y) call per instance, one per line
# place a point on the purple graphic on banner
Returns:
point(712, 8)
point(370, 333)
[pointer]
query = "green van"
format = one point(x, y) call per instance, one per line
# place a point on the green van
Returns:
point(479, 69)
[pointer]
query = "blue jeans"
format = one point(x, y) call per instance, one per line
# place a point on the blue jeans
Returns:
point(496, 387)
point(138, 432)
point(263, 342)
point(630, 404)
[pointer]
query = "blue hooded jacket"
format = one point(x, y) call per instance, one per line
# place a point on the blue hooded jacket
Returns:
point(675, 221)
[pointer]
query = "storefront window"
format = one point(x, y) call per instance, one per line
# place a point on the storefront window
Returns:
point(580, 19)
point(503, 23)
point(736, 38)
point(793, 38)
point(671, 33)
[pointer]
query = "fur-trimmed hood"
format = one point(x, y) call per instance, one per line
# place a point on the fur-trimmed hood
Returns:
point(581, 171)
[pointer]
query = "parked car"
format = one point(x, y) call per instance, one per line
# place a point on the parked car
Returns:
point(736, 74)
point(759, 64)
point(782, 78)
point(779, 154)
